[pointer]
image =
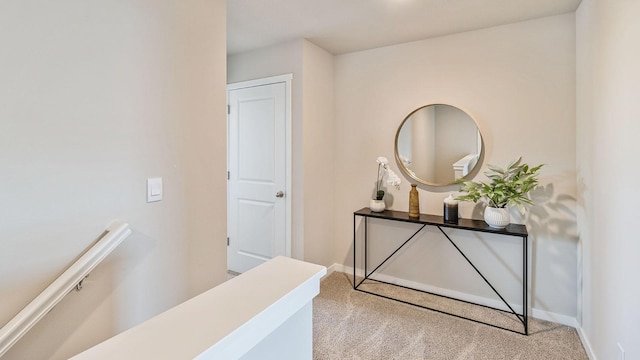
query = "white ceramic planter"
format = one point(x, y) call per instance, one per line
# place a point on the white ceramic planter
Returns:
point(376, 205)
point(497, 217)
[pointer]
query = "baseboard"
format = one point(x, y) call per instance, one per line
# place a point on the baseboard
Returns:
point(585, 343)
point(553, 317)
point(568, 321)
point(536, 313)
point(333, 268)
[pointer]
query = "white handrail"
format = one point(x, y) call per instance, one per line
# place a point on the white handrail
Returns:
point(54, 293)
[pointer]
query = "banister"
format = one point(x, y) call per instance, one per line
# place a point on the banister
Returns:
point(61, 286)
point(264, 313)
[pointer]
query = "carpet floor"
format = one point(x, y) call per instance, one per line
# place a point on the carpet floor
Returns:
point(350, 324)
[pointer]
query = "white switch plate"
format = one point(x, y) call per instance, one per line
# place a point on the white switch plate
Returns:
point(154, 189)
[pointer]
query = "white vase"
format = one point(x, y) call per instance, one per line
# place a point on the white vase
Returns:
point(376, 205)
point(497, 217)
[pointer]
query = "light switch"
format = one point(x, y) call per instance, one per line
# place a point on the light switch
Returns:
point(154, 189)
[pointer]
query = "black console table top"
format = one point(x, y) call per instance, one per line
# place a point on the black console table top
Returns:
point(436, 220)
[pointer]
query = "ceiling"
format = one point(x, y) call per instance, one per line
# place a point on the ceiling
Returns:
point(343, 26)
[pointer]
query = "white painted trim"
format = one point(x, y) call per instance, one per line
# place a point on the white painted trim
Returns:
point(61, 286)
point(554, 317)
point(585, 343)
point(289, 159)
point(287, 79)
point(333, 268)
point(442, 291)
point(259, 82)
point(225, 322)
point(535, 313)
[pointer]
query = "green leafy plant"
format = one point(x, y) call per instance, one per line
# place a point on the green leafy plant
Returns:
point(510, 186)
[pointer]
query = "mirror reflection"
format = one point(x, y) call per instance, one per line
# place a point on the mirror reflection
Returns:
point(438, 144)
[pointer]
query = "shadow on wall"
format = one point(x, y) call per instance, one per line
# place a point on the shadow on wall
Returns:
point(552, 223)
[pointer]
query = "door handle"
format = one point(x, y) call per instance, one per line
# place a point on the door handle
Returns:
point(279, 194)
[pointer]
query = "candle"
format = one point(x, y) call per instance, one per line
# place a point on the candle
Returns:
point(450, 210)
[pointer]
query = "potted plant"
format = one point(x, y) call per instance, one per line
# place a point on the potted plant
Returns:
point(506, 187)
point(377, 203)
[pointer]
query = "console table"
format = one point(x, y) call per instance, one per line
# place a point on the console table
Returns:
point(424, 220)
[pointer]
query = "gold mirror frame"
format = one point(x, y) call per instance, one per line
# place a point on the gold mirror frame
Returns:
point(467, 153)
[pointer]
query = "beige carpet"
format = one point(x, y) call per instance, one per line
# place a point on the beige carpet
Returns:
point(351, 324)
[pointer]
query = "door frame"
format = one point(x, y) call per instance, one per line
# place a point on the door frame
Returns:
point(287, 80)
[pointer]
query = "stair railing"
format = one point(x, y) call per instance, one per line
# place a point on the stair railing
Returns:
point(70, 279)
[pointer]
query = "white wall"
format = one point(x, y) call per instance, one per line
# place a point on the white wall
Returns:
point(312, 143)
point(608, 88)
point(518, 82)
point(94, 98)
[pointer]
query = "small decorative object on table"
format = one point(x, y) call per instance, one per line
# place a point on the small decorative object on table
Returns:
point(414, 202)
point(450, 210)
point(377, 203)
point(509, 186)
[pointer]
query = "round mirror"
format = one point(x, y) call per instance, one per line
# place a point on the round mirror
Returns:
point(438, 144)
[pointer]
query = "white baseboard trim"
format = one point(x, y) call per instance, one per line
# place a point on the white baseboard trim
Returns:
point(553, 317)
point(568, 321)
point(585, 343)
point(434, 289)
point(535, 313)
point(333, 268)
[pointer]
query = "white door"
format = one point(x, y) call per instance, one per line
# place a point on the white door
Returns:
point(258, 185)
